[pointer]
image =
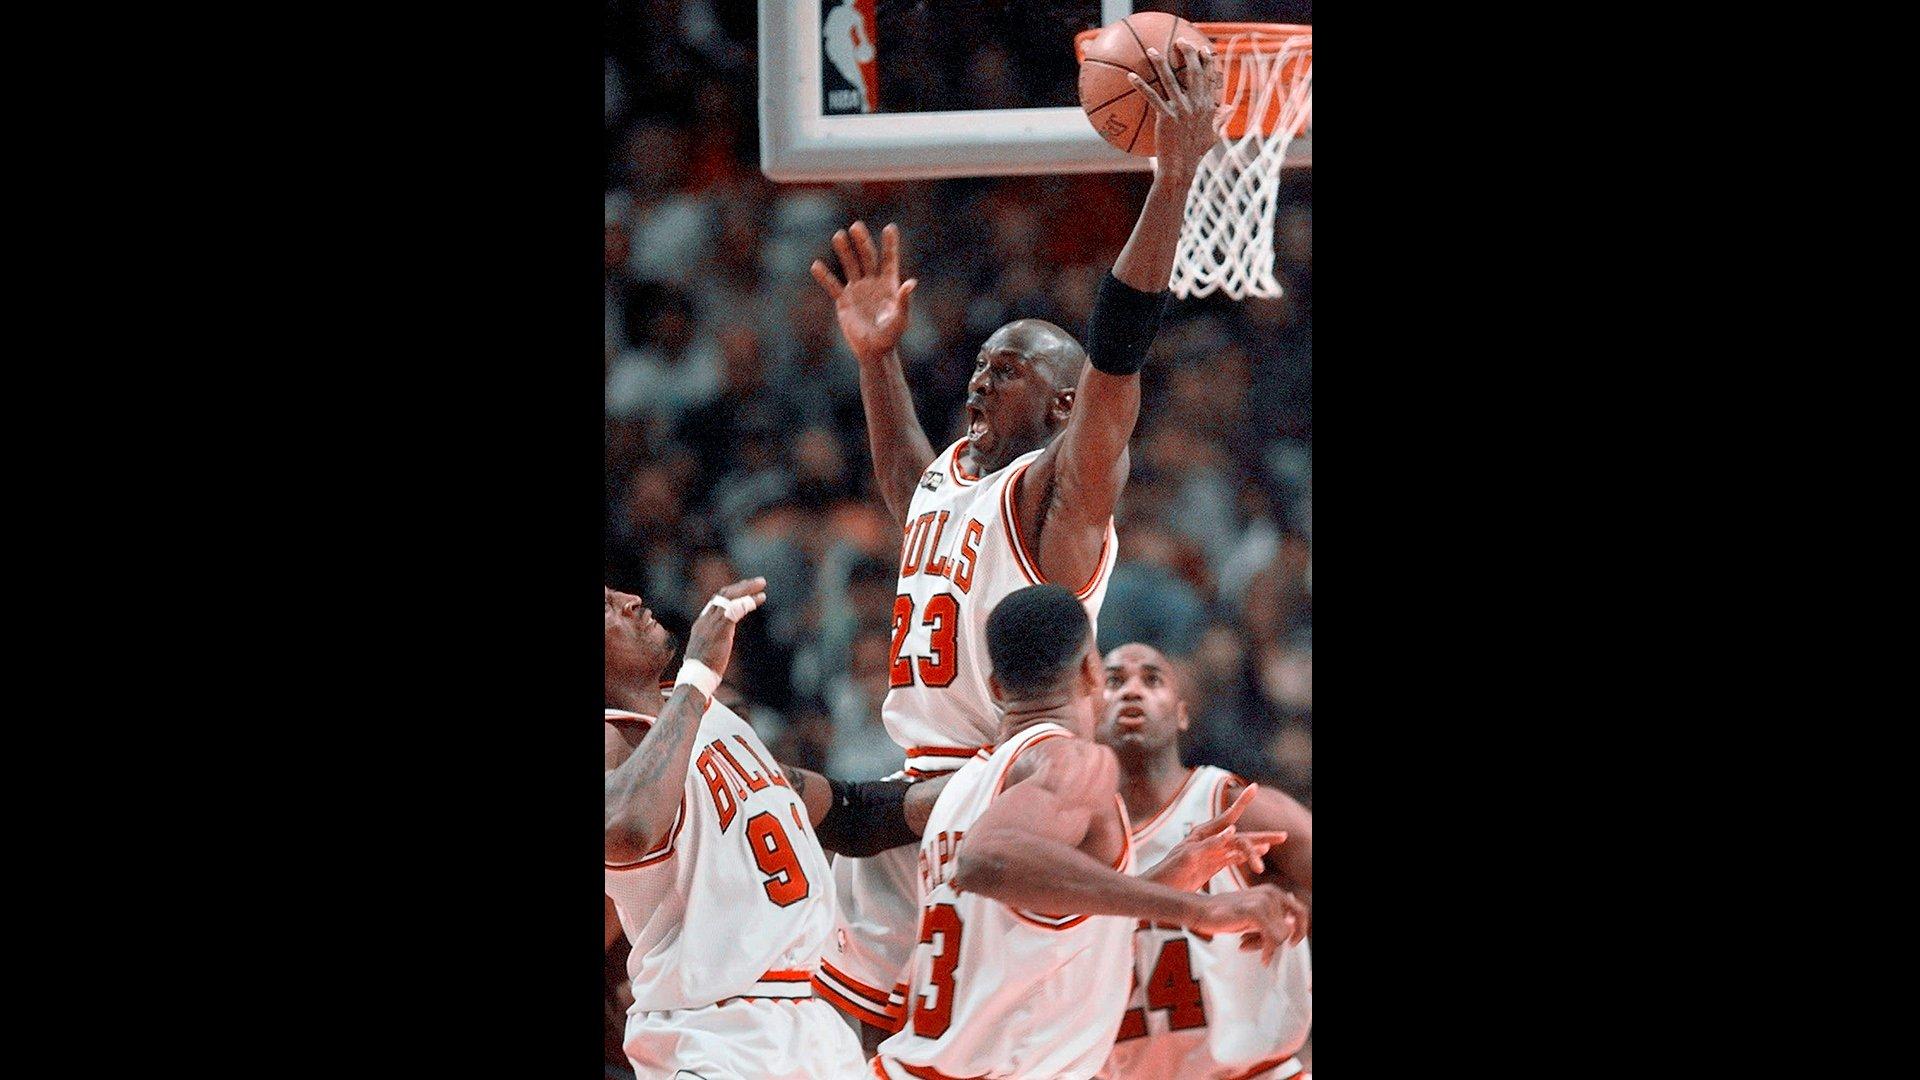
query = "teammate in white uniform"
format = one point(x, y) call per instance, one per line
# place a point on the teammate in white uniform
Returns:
point(715, 867)
point(1027, 496)
point(1198, 1009)
point(1027, 906)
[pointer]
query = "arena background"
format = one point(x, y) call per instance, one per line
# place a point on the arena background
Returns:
point(735, 440)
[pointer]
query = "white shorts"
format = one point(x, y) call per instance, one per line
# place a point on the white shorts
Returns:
point(745, 1039)
point(876, 915)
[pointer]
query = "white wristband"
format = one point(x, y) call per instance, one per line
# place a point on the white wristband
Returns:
point(699, 676)
point(735, 608)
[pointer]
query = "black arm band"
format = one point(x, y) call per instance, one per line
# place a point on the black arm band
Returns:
point(1125, 321)
point(866, 818)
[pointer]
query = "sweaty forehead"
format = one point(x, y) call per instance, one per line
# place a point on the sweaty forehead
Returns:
point(1038, 343)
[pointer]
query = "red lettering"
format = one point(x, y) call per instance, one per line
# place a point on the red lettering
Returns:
point(774, 775)
point(942, 665)
point(916, 544)
point(938, 567)
point(722, 797)
point(754, 781)
point(963, 566)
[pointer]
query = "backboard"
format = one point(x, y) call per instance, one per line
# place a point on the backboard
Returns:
point(893, 89)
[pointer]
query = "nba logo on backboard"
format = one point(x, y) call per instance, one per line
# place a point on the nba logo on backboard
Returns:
point(849, 75)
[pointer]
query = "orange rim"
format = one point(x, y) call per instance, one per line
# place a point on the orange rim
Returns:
point(1235, 42)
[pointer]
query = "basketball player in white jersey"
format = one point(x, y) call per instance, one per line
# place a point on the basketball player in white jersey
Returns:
point(1027, 899)
point(1198, 1010)
point(1025, 497)
point(714, 862)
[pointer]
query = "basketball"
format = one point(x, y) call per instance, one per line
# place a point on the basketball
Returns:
point(1122, 115)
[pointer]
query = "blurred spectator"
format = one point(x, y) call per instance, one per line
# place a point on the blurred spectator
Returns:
point(736, 440)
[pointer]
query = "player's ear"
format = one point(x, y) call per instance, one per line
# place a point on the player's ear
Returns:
point(1180, 714)
point(1062, 404)
point(993, 688)
point(1090, 672)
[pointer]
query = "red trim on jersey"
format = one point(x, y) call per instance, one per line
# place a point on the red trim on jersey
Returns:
point(664, 848)
point(873, 994)
point(1000, 785)
point(1220, 802)
point(1029, 565)
point(1009, 522)
point(1043, 921)
point(864, 1003)
point(852, 1008)
point(786, 976)
point(941, 755)
point(1160, 818)
point(1270, 1063)
point(941, 751)
point(959, 472)
point(622, 716)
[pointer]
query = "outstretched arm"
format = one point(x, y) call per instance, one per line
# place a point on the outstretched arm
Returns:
point(863, 819)
point(643, 794)
point(1068, 495)
point(872, 307)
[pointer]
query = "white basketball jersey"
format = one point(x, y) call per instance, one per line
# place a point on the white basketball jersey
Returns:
point(960, 555)
point(1200, 1007)
point(995, 992)
point(737, 900)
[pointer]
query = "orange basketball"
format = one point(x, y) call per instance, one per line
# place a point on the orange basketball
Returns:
point(1121, 114)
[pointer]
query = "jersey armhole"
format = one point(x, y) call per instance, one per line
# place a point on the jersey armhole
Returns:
point(1028, 560)
point(664, 849)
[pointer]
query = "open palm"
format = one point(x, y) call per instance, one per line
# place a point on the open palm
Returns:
point(873, 303)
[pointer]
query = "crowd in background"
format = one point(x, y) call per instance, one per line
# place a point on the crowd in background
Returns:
point(736, 443)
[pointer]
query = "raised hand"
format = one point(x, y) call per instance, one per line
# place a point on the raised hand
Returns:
point(711, 639)
point(1214, 845)
point(872, 304)
point(1187, 115)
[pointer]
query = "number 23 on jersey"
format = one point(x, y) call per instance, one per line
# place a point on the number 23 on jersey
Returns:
point(938, 668)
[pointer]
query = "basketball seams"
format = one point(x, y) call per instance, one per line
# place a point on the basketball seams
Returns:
point(1140, 124)
point(1097, 109)
point(1128, 23)
point(1113, 106)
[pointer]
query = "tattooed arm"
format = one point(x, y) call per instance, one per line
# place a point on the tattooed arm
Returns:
point(643, 795)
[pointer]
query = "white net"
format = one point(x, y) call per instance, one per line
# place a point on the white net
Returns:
point(1227, 240)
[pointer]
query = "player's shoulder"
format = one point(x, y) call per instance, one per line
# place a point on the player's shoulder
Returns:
point(1067, 765)
point(622, 731)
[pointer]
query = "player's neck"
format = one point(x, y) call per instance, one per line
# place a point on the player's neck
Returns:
point(978, 466)
point(644, 697)
point(1060, 708)
point(1148, 790)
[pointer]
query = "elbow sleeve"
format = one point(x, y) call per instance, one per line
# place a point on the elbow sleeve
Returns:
point(1124, 323)
point(865, 819)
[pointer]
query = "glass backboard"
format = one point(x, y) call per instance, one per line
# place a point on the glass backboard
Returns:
point(921, 89)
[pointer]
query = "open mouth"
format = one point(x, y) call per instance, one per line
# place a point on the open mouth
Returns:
point(1130, 716)
point(976, 421)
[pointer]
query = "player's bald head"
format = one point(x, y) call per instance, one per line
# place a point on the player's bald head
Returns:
point(1044, 345)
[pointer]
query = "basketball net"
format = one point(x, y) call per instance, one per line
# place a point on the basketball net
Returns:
point(1226, 241)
